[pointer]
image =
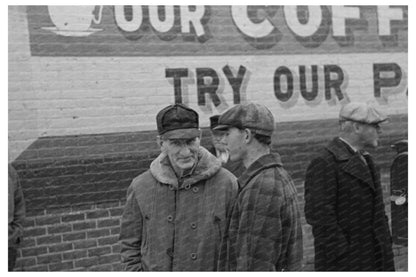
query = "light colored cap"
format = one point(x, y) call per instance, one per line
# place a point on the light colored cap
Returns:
point(361, 112)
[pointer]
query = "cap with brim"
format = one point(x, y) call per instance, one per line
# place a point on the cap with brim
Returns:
point(222, 127)
point(182, 133)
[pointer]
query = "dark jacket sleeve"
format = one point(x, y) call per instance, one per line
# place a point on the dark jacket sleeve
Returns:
point(321, 188)
point(131, 234)
point(259, 235)
point(16, 225)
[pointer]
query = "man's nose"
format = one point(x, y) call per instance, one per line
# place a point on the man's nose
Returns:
point(185, 150)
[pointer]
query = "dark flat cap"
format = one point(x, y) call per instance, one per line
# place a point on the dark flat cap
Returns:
point(254, 116)
point(178, 122)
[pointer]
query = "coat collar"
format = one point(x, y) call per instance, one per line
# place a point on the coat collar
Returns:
point(207, 166)
point(264, 162)
point(352, 163)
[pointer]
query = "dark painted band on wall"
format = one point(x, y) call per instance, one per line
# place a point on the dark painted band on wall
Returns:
point(215, 30)
point(87, 169)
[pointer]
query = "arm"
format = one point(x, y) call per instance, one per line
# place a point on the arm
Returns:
point(131, 234)
point(321, 187)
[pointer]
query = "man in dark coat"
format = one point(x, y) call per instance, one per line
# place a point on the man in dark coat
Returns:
point(219, 150)
point(16, 215)
point(344, 201)
point(265, 232)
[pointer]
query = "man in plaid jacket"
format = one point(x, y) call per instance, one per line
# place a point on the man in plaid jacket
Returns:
point(265, 232)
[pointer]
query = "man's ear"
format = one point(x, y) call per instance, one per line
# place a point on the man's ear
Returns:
point(159, 141)
point(248, 135)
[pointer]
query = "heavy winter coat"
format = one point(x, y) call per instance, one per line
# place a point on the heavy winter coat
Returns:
point(344, 205)
point(177, 225)
point(265, 232)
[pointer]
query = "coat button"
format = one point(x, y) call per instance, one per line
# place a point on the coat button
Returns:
point(171, 187)
point(195, 189)
point(193, 256)
point(193, 225)
point(187, 186)
point(170, 218)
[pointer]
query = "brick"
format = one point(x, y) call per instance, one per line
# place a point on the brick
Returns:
point(98, 233)
point(36, 268)
point(60, 247)
point(109, 222)
point(85, 244)
point(49, 220)
point(29, 222)
point(97, 214)
point(34, 251)
point(108, 240)
point(48, 239)
point(84, 225)
point(62, 228)
point(117, 267)
point(99, 251)
point(74, 255)
point(28, 242)
point(114, 258)
point(48, 259)
point(116, 248)
point(100, 268)
point(108, 205)
point(25, 262)
point(74, 236)
point(87, 262)
point(34, 232)
point(60, 210)
point(73, 217)
point(62, 266)
point(115, 231)
point(116, 212)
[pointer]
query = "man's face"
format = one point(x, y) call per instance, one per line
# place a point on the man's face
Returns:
point(182, 153)
point(369, 135)
point(235, 140)
point(217, 141)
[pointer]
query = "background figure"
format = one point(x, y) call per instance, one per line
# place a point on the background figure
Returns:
point(219, 149)
point(177, 211)
point(16, 215)
point(344, 200)
point(265, 232)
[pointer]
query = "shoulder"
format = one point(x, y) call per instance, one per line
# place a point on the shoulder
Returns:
point(142, 182)
point(225, 179)
point(269, 180)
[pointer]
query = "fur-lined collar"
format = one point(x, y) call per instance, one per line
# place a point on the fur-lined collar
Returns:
point(207, 166)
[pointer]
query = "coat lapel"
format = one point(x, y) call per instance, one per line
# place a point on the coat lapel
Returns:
point(358, 169)
point(353, 164)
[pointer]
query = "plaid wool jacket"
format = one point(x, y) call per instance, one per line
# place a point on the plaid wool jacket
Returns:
point(265, 232)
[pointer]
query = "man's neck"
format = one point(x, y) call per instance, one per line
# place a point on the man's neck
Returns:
point(254, 153)
point(351, 142)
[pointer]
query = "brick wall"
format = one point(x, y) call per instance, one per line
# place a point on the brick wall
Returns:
point(74, 202)
point(81, 112)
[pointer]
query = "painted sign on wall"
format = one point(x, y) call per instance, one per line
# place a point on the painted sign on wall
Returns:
point(215, 30)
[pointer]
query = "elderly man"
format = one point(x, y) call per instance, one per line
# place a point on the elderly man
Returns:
point(344, 199)
point(177, 211)
point(265, 232)
point(219, 149)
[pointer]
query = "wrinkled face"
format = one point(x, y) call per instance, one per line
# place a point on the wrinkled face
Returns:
point(182, 153)
point(369, 134)
point(219, 144)
point(235, 140)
